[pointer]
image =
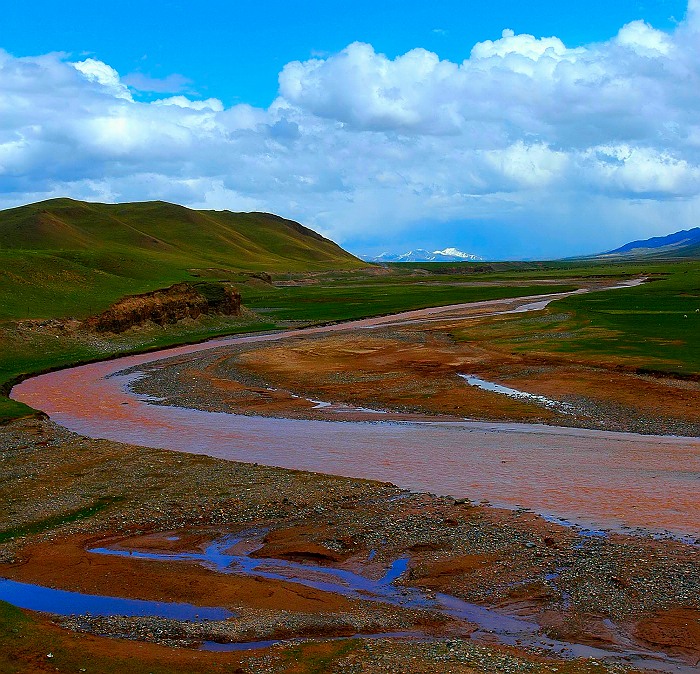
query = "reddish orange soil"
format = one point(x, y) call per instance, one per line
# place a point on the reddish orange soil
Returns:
point(293, 543)
point(417, 374)
point(675, 631)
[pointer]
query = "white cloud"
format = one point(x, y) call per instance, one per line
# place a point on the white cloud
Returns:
point(524, 45)
point(367, 90)
point(213, 104)
point(101, 73)
point(644, 39)
point(525, 140)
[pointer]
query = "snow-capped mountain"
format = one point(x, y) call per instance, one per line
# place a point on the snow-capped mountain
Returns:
point(422, 255)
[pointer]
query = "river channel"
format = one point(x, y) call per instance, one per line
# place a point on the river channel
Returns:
point(594, 478)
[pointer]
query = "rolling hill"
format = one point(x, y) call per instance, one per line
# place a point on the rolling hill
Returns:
point(65, 257)
point(684, 244)
point(242, 240)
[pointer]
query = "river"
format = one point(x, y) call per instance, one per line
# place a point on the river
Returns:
point(593, 478)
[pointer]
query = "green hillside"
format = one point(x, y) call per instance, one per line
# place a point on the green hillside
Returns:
point(61, 256)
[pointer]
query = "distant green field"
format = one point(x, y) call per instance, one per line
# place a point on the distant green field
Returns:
point(658, 322)
point(343, 302)
point(654, 327)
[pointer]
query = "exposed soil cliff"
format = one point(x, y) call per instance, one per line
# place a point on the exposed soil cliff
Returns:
point(169, 305)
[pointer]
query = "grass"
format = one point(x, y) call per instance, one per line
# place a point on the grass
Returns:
point(37, 284)
point(657, 324)
point(348, 301)
point(653, 327)
point(236, 240)
point(57, 520)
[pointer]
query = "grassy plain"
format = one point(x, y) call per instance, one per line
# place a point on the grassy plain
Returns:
point(342, 301)
point(654, 327)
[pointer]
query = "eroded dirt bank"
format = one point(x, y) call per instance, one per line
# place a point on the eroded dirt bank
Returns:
point(617, 592)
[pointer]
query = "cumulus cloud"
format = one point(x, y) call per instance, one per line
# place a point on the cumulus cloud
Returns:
point(642, 38)
point(104, 75)
point(213, 104)
point(526, 140)
point(527, 46)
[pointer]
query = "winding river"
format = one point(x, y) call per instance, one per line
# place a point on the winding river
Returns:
point(593, 478)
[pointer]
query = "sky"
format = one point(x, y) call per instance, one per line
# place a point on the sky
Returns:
point(510, 130)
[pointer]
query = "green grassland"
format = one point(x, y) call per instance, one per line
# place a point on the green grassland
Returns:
point(654, 327)
point(63, 257)
point(657, 324)
point(341, 302)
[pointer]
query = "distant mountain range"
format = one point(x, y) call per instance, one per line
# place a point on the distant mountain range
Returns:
point(422, 255)
point(683, 244)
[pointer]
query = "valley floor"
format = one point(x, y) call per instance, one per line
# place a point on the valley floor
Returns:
point(103, 518)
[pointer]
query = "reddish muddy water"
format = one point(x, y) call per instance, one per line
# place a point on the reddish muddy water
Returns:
point(595, 478)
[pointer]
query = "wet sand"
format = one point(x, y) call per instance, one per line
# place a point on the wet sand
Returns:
point(597, 478)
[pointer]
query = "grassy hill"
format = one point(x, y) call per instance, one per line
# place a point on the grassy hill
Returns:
point(62, 256)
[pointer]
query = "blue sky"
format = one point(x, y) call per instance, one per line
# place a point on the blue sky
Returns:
point(385, 125)
point(234, 50)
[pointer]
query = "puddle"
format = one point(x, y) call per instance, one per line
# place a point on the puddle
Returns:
point(216, 647)
point(484, 385)
point(63, 602)
point(219, 555)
